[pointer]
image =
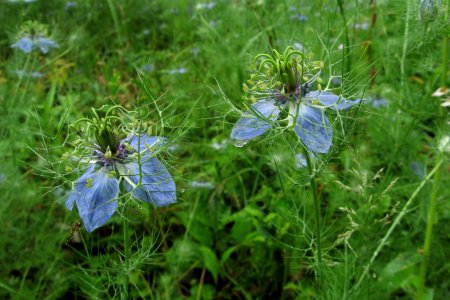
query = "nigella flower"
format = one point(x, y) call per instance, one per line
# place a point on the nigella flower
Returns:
point(28, 43)
point(69, 5)
point(362, 26)
point(128, 163)
point(299, 17)
point(419, 169)
point(305, 109)
point(379, 102)
point(24, 74)
point(299, 47)
point(178, 71)
point(25, 44)
point(148, 68)
point(45, 44)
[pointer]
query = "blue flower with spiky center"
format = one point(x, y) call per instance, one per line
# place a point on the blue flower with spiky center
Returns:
point(115, 165)
point(285, 89)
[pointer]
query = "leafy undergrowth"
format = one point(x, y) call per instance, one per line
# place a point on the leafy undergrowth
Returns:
point(244, 225)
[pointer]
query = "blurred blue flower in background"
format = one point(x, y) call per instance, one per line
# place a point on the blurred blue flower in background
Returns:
point(337, 81)
point(207, 6)
point(148, 68)
point(25, 44)
point(45, 44)
point(69, 5)
point(362, 26)
point(378, 102)
point(25, 74)
point(178, 71)
point(299, 17)
point(20, 1)
point(300, 47)
point(419, 169)
point(28, 43)
point(131, 164)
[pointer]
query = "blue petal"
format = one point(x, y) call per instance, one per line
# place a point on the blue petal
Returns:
point(314, 129)
point(157, 186)
point(74, 194)
point(95, 194)
point(25, 44)
point(144, 142)
point(250, 126)
point(331, 100)
point(44, 44)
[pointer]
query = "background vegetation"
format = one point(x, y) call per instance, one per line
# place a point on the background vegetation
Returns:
point(243, 227)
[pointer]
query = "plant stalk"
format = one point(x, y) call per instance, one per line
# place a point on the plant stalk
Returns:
point(316, 204)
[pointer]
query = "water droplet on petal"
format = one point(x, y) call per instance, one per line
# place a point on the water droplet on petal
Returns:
point(238, 143)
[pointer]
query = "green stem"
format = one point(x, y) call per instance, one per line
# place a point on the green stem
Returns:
point(316, 203)
point(431, 218)
point(444, 62)
point(116, 21)
point(126, 252)
point(405, 45)
point(429, 230)
point(347, 40)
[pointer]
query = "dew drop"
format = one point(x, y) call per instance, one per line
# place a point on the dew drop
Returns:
point(238, 143)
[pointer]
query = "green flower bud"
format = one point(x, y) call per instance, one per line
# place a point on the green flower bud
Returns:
point(428, 10)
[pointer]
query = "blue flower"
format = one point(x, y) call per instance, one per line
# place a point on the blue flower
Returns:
point(419, 169)
point(362, 26)
point(299, 17)
point(27, 44)
point(24, 74)
point(308, 113)
point(283, 83)
point(148, 68)
point(70, 5)
point(178, 71)
point(379, 102)
point(44, 44)
point(134, 166)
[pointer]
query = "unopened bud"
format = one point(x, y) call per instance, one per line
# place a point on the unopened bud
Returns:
point(428, 10)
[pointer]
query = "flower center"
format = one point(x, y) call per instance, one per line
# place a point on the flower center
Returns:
point(122, 155)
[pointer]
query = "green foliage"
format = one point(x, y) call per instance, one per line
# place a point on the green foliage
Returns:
point(249, 233)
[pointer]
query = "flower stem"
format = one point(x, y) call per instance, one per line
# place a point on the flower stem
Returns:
point(347, 41)
point(116, 22)
point(431, 218)
point(405, 43)
point(316, 203)
point(445, 52)
point(429, 230)
point(126, 253)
